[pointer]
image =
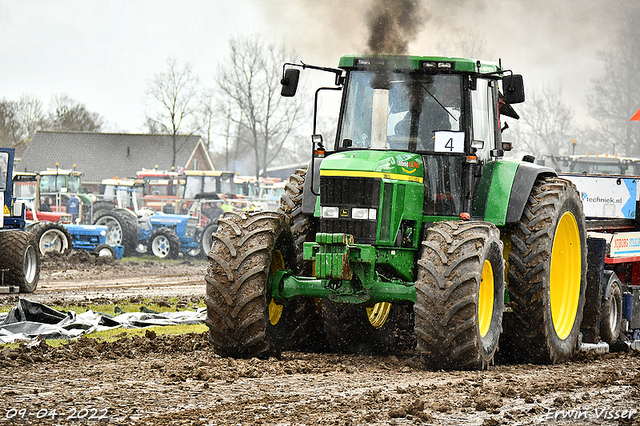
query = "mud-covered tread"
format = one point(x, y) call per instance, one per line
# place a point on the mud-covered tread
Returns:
point(237, 294)
point(20, 259)
point(529, 329)
point(447, 285)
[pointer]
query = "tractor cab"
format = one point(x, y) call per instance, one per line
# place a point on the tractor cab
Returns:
point(414, 137)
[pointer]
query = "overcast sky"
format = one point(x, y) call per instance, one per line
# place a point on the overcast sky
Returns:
point(102, 53)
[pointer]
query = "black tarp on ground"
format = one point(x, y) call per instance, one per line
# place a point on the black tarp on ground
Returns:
point(29, 319)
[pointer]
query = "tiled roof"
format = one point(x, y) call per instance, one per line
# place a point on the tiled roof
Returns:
point(104, 155)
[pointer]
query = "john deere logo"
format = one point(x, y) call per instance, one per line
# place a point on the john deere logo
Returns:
point(407, 165)
point(344, 212)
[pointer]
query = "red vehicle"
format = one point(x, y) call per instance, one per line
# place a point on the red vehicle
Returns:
point(26, 186)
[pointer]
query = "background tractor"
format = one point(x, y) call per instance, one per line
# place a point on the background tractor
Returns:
point(140, 230)
point(412, 219)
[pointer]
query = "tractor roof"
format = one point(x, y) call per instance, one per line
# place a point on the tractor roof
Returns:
point(206, 173)
point(60, 172)
point(406, 62)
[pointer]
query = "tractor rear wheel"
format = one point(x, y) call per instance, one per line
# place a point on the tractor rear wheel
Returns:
point(357, 329)
point(51, 237)
point(547, 273)
point(206, 240)
point(20, 260)
point(459, 295)
point(164, 243)
point(99, 209)
point(307, 331)
point(122, 229)
point(243, 318)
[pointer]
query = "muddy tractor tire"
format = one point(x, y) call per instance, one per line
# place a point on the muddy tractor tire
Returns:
point(51, 237)
point(611, 320)
point(547, 274)
point(20, 260)
point(359, 330)
point(122, 229)
point(459, 295)
point(307, 333)
point(243, 318)
point(164, 243)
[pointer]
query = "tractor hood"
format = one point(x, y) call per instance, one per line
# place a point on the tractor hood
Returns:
point(168, 219)
point(375, 164)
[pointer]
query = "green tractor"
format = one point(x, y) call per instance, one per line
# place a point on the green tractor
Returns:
point(412, 220)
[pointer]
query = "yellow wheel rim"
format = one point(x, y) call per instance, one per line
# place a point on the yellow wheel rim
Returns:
point(379, 313)
point(565, 275)
point(275, 310)
point(485, 299)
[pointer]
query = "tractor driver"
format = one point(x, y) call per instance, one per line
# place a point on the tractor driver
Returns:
point(427, 103)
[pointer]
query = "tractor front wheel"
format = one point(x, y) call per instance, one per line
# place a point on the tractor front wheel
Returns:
point(164, 243)
point(459, 295)
point(547, 274)
point(243, 318)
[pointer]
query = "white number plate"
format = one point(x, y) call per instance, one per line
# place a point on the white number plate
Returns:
point(449, 141)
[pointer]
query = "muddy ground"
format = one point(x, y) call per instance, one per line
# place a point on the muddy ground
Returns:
point(178, 380)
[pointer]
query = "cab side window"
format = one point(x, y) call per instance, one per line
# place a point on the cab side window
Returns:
point(483, 107)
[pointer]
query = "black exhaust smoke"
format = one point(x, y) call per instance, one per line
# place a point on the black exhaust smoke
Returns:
point(393, 24)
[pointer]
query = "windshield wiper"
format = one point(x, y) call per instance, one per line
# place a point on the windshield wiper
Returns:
point(434, 98)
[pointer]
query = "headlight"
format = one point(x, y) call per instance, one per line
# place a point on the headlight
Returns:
point(357, 213)
point(103, 233)
point(330, 212)
point(364, 214)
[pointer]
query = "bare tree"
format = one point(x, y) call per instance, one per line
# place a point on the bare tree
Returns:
point(66, 114)
point(10, 127)
point(546, 124)
point(249, 88)
point(20, 120)
point(616, 95)
point(173, 96)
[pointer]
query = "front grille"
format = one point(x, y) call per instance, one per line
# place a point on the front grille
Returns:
point(346, 193)
point(349, 191)
point(363, 231)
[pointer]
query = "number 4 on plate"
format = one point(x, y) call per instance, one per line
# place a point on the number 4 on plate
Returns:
point(449, 142)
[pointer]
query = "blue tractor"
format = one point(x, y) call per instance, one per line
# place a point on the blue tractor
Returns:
point(145, 230)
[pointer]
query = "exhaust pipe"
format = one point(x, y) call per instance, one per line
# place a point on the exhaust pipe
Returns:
point(380, 110)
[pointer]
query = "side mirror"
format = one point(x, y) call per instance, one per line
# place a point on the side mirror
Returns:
point(513, 87)
point(290, 82)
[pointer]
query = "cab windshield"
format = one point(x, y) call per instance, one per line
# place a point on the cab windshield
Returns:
point(419, 107)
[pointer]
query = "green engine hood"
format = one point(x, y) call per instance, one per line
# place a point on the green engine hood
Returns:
point(404, 166)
